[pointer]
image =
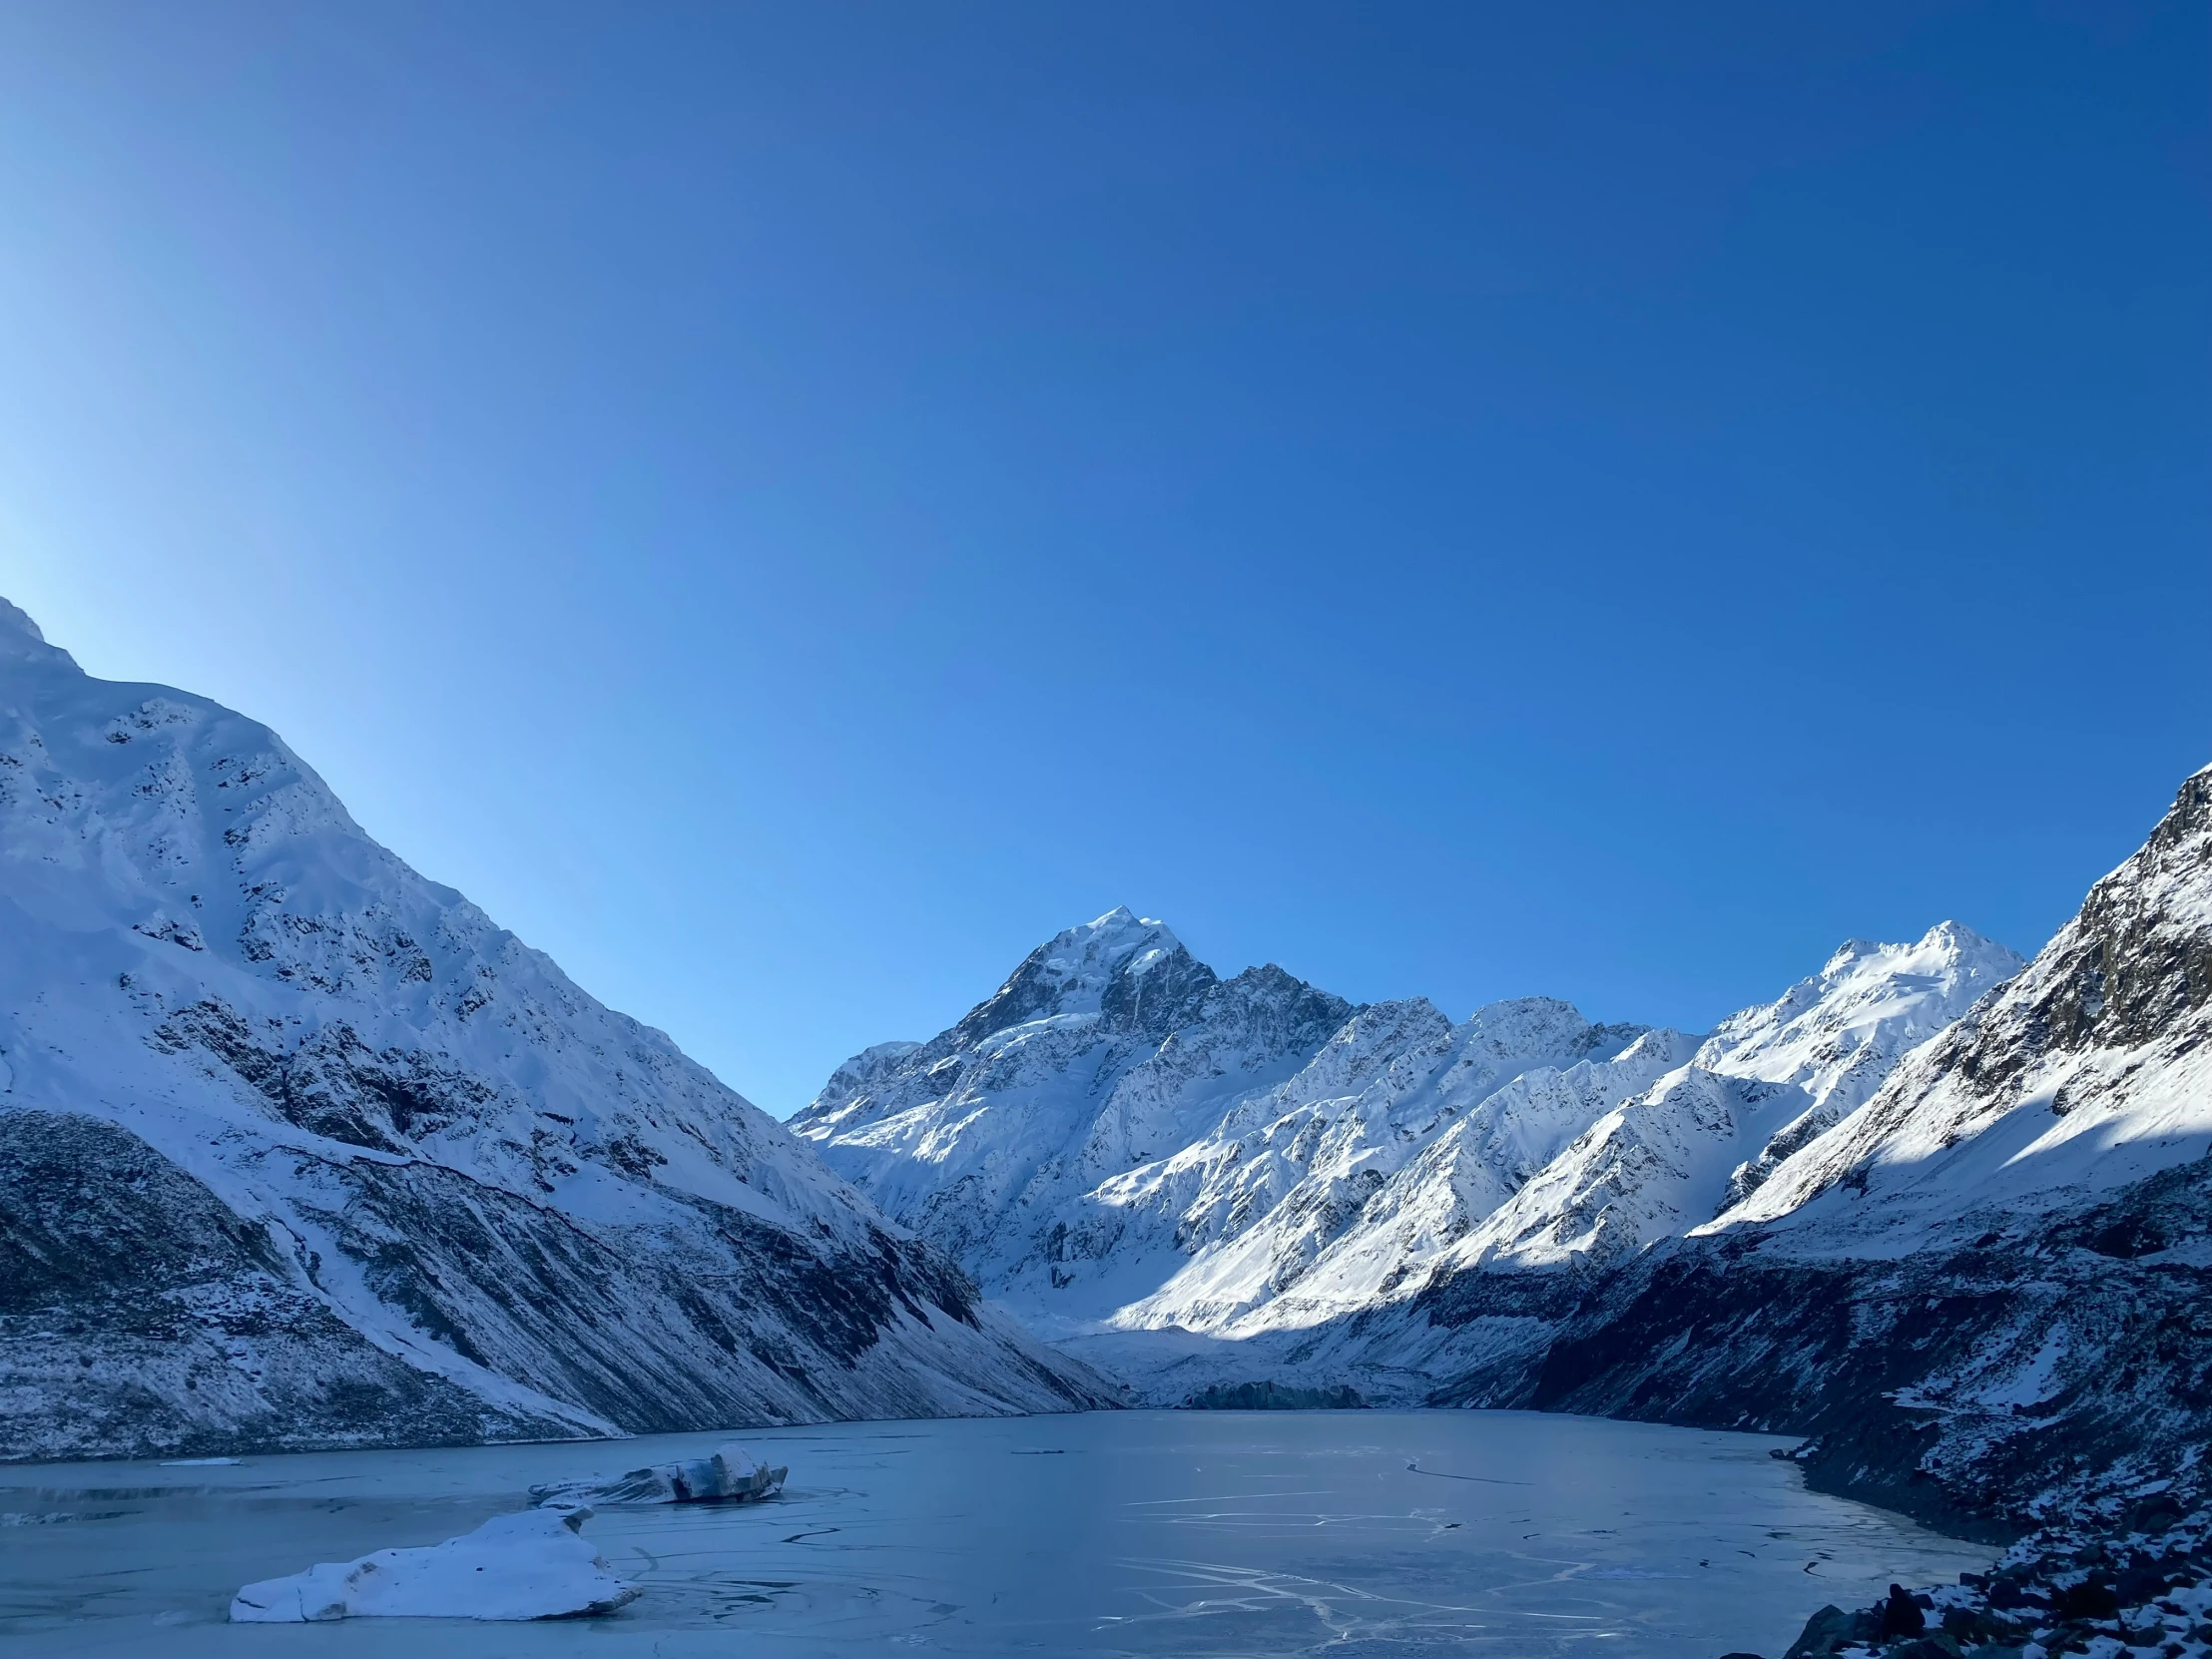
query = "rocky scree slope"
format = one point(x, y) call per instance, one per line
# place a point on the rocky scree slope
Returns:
point(299, 1149)
point(1986, 1282)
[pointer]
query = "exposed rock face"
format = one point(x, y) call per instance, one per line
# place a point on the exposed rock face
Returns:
point(297, 1148)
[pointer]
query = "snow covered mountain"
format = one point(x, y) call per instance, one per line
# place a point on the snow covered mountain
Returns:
point(2090, 1072)
point(1119, 1141)
point(1951, 1221)
point(1768, 1081)
point(1987, 1283)
point(1108, 1047)
point(298, 1148)
point(1327, 1190)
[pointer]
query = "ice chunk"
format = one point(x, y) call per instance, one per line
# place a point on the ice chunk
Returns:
point(730, 1476)
point(531, 1565)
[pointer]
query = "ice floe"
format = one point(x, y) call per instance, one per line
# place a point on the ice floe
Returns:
point(531, 1565)
point(729, 1474)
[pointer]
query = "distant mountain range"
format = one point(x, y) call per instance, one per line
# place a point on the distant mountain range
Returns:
point(297, 1148)
point(1118, 1139)
point(1943, 1209)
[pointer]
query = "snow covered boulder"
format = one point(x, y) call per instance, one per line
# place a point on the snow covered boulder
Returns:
point(730, 1476)
point(532, 1565)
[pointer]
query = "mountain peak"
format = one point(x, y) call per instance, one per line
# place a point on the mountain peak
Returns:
point(1948, 946)
point(1956, 938)
point(1849, 951)
point(1122, 922)
point(1837, 1035)
point(1122, 965)
point(21, 640)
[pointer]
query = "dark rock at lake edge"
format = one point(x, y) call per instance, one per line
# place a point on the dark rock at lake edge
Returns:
point(2130, 1573)
point(1875, 1362)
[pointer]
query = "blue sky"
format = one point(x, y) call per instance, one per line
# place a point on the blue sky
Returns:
point(789, 505)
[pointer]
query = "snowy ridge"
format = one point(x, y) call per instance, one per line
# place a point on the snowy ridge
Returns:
point(1328, 1156)
point(1259, 1160)
point(1108, 1045)
point(2089, 1071)
point(1836, 1037)
point(1768, 1080)
point(303, 1149)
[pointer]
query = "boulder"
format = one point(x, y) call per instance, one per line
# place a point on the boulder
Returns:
point(1900, 1615)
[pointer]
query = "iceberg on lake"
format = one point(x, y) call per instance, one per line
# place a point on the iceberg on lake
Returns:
point(730, 1475)
point(531, 1565)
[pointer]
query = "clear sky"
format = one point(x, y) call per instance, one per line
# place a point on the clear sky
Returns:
point(789, 505)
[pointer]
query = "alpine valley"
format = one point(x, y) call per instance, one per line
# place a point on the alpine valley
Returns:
point(1940, 1212)
point(298, 1149)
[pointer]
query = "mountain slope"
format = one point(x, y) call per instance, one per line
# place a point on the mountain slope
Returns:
point(1989, 1284)
point(304, 1150)
point(2089, 1073)
point(1771, 1079)
point(1360, 1162)
point(1108, 1044)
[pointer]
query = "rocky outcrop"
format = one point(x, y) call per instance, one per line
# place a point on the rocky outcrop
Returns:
point(2134, 1575)
point(139, 1313)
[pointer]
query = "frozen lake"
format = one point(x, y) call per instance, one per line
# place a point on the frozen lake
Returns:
point(1411, 1534)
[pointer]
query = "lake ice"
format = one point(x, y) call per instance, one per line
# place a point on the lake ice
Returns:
point(1411, 1534)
